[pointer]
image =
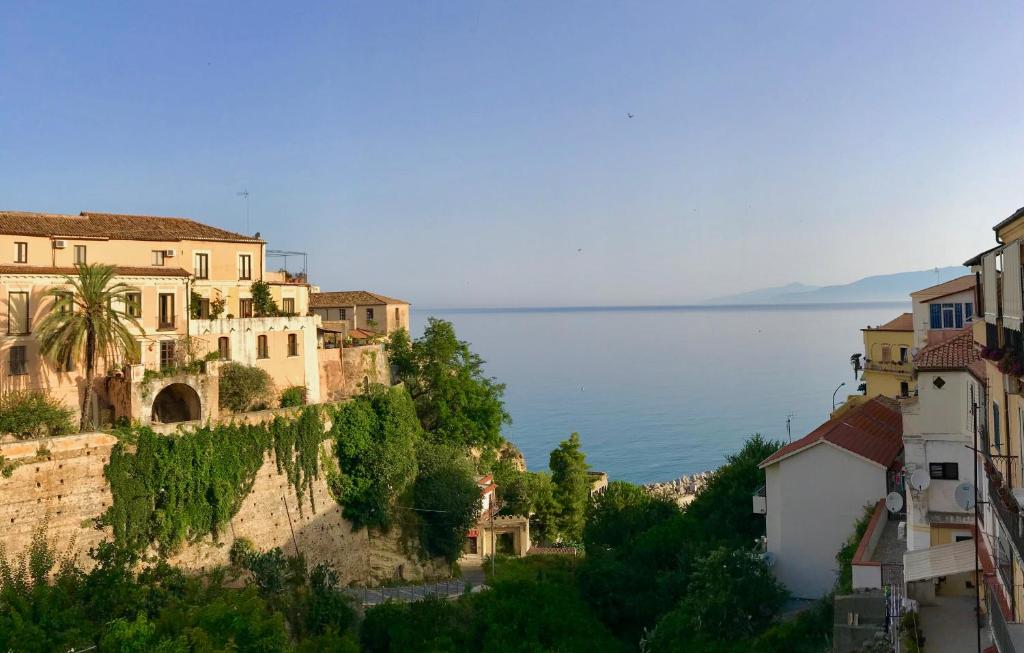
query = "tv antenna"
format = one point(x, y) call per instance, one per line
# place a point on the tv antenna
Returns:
point(937, 276)
point(789, 426)
point(245, 193)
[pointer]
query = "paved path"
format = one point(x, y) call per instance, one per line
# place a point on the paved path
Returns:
point(445, 589)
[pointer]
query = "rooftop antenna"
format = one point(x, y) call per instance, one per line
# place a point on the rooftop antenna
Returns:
point(245, 193)
point(938, 277)
point(789, 426)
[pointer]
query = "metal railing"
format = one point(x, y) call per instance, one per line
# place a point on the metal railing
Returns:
point(887, 366)
point(1000, 629)
point(1013, 523)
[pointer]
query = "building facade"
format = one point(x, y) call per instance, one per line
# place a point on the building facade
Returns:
point(360, 310)
point(191, 293)
point(888, 364)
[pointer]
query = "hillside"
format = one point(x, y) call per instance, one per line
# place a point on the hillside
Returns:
point(878, 288)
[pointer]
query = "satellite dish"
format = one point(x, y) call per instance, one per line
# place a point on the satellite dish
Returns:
point(964, 495)
point(920, 480)
point(894, 502)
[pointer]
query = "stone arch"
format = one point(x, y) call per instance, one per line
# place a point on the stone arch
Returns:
point(177, 402)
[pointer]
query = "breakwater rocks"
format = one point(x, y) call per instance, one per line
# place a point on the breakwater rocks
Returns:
point(681, 490)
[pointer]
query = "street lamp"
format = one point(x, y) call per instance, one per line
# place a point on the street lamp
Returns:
point(834, 395)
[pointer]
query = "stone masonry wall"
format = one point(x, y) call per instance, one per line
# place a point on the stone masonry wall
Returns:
point(66, 487)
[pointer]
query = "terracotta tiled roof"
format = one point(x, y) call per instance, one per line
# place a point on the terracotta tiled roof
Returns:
point(112, 226)
point(945, 288)
point(953, 354)
point(70, 272)
point(873, 430)
point(350, 298)
point(361, 334)
point(904, 322)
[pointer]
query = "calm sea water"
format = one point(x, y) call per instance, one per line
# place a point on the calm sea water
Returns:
point(660, 392)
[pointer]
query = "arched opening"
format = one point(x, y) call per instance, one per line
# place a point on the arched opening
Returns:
point(176, 403)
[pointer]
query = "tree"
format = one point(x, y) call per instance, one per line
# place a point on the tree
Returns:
point(244, 387)
point(89, 323)
point(617, 516)
point(455, 402)
point(376, 436)
point(572, 488)
point(447, 500)
point(263, 304)
point(732, 596)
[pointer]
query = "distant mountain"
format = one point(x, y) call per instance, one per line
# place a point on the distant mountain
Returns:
point(879, 288)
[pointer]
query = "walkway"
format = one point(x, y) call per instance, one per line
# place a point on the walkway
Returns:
point(445, 589)
point(950, 625)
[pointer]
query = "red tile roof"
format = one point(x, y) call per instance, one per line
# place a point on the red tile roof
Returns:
point(124, 271)
point(349, 298)
point(904, 322)
point(945, 288)
point(113, 226)
point(953, 354)
point(873, 430)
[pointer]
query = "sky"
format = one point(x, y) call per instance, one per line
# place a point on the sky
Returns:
point(482, 154)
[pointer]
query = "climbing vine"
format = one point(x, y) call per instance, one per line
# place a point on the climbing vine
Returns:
point(171, 489)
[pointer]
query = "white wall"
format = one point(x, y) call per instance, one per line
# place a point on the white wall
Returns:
point(814, 498)
point(922, 319)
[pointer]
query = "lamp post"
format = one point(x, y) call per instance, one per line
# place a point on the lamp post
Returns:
point(834, 395)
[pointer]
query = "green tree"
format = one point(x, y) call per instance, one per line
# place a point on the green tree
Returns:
point(455, 402)
point(732, 596)
point(244, 387)
point(617, 516)
point(376, 436)
point(263, 304)
point(447, 500)
point(89, 324)
point(572, 487)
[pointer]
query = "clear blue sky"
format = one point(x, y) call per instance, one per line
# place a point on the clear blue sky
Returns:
point(463, 153)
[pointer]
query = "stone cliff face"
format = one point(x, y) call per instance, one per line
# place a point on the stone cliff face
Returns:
point(65, 488)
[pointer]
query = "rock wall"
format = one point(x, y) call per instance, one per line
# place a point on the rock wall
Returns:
point(367, 363)
point(65, 486)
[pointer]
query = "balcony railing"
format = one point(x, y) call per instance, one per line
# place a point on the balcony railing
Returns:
point(887, 366)
point(1007, 511)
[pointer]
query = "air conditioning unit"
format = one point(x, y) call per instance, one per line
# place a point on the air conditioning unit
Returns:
point(169, 253)
point(60, 244)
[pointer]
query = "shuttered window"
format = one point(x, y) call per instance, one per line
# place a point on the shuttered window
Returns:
point(17, 313)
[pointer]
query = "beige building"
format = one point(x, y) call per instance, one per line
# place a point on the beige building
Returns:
point(887, 358)
point(193, 297)
point(359, 309)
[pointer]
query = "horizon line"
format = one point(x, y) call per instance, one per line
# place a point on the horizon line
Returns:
point(633, 307)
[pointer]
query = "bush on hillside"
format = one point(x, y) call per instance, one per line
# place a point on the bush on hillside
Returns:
point(31, 414)
point(244, 388)
point(446, 498)
point(293, 396)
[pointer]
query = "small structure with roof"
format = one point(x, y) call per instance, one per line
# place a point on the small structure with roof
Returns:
point(360, 309)
point(887, 358)
point(817, 487)
point(941, 311)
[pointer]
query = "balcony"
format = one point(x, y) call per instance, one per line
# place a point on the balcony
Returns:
point(760, 500)
point(893, 367)
point(1006, 508)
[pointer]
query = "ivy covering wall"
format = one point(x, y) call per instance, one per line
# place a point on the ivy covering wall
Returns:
point(171, 489)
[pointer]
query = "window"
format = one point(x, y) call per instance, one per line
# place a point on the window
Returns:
point(949, 316)
point(288, 305)
point(369, 314)
point(224, 348)
point(133, 304)
point(202, 267)
point(166, 354)
point(886, 353)
point(342, 314)
point(68, 364)
point(962, 538)
point(17, 313)
point(19, 363)
point(946, 471)
point(204, 309)
point(293, 344)
point(904, 389)
point(80, 255)
point(63, 302)
point(903, 353)
point(996, 434)
point(244, 266)
point(968, 312)
point(262, 350)
point(244, 308)
point(396, 315)
point(21, 252)
point(166, 318)
point(159, 257)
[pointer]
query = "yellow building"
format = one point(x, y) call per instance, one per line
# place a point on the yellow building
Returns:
point(359, 309)
point(998, 332)
point(193, 297)
point(887, 363)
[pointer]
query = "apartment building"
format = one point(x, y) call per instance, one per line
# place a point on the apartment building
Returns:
point(192, 296)
point(351, 310)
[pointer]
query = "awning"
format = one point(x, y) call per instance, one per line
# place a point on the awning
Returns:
point(941, 560)
point(328, 329)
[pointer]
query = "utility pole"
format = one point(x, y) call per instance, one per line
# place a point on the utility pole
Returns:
point(977, 530)
point(789, 426)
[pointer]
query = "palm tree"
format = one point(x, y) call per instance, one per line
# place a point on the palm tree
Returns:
point(84, 325)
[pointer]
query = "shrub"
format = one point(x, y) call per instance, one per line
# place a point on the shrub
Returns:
point(244, 388)
point(32, 414)
point(293, 396)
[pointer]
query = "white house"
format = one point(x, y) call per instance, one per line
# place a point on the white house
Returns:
point(938, 428)
point(941, 311)
point(818, 486)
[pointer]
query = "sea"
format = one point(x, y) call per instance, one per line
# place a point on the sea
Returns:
point(663, 391)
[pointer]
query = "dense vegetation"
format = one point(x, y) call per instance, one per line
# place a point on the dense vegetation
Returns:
point(32, 414)
point(455, 402)
point(244, 387)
